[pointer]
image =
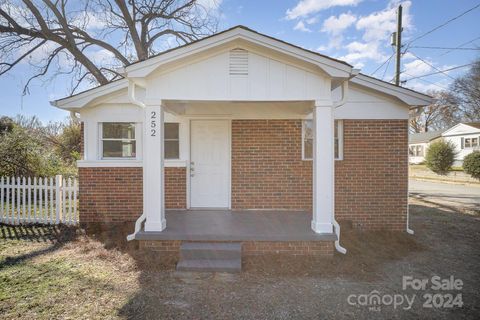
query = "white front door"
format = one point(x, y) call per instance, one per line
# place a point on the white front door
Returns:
point(210, 163)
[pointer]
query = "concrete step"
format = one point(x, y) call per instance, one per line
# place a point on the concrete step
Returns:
point(210, 251)
point(203, 265)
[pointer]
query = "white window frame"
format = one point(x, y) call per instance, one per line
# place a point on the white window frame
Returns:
point(138, 133)
point(339, 137)
point(165, 140)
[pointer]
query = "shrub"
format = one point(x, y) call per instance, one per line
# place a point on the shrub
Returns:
point(440, 156)
point(471, 164)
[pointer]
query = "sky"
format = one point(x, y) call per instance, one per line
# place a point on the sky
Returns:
point(356, 31)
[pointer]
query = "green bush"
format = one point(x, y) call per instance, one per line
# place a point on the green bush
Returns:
point(471, 164)
point(440, 156)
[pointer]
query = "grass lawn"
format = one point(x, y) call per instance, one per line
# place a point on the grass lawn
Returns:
point(62, 273)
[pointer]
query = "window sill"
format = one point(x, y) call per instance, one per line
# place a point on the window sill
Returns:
point(336, 159)
point(109, 163)
point(126, 163)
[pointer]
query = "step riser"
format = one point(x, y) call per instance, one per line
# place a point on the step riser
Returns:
point(210, 265)
point(209, 255)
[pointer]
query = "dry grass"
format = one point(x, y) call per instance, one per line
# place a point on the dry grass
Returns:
point(66, 273)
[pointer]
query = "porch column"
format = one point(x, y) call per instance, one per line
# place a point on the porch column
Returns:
point(323, 166)
point(153, 181)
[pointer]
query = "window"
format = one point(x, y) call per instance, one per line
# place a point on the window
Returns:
point(307, 139)
point(171, 140)
point(416, 151)
point(470, 143)
point(118, 140)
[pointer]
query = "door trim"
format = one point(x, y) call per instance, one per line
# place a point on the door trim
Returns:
point(229, 173)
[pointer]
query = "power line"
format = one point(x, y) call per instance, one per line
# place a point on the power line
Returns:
point(442, 87)
point(459, 46)
point(441, 71)
point(444, 48)
point(382, 64)
point(442, 25)
point(429, 64)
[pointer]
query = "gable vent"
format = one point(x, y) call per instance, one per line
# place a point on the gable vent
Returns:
point(238, 62)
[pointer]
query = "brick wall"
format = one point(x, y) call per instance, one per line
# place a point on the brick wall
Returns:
point(371, 182)
point(268, 173)
point(175, 188)
point(267, 167)
point(116, 194)
point(110, 194)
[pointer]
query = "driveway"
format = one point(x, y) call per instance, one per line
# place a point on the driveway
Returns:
point(454, 195)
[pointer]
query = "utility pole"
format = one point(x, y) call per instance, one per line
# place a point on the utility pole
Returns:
point(398, 45)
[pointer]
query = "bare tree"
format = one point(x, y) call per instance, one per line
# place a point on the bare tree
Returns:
point(465, 93)
point(442, 113)
point(88, 39)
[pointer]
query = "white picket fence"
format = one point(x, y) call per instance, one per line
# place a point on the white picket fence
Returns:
point(38, 200)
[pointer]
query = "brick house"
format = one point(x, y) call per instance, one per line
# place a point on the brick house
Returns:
point(240, 137)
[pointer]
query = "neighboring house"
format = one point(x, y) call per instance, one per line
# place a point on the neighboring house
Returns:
point(466, 138)
point(242, 137)
point(418, 144)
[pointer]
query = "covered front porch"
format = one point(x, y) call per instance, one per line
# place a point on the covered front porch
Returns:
point(235, 225)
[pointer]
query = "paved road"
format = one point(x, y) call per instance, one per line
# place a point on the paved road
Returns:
point(447, 193)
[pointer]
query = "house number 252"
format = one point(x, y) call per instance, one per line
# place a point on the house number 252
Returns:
point(153, 124)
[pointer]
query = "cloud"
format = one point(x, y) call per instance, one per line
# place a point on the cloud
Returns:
point(375, 29)
point(379, 25)
point(336, 25)
point(300, 26)
point(416, 68)
point(307, 7)
point(361, 51)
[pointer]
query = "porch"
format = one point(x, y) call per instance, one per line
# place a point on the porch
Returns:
point(228, 225)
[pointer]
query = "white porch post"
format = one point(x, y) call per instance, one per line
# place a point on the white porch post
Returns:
point(153, 181)
point(323, 166)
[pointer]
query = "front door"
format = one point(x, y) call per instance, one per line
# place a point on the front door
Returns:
point(210, 163)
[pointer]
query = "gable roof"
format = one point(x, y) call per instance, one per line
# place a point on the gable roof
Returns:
point(473, 124)
point(472, 127)
point(333, 67)
point(424, 137)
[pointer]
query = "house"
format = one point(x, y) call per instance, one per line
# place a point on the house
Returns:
point(241, 137)
point(465, 137)
point(418, 144)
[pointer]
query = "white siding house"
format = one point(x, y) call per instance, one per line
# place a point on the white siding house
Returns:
point(466, 138)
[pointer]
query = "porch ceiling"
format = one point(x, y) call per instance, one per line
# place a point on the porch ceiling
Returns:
point(225, 225)
point(240, 108)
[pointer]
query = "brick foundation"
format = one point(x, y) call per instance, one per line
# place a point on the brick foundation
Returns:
point(249, 248)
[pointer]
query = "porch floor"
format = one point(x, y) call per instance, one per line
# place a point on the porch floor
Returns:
point(226, 225)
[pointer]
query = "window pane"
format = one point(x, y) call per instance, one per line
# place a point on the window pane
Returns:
point(118, 149)
point(116, 130)
point(308, 129)
point(474, 142)
point(171, 131)
point(171, 150)
point(467, 143)
point(308, 149)
point(336, 148)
